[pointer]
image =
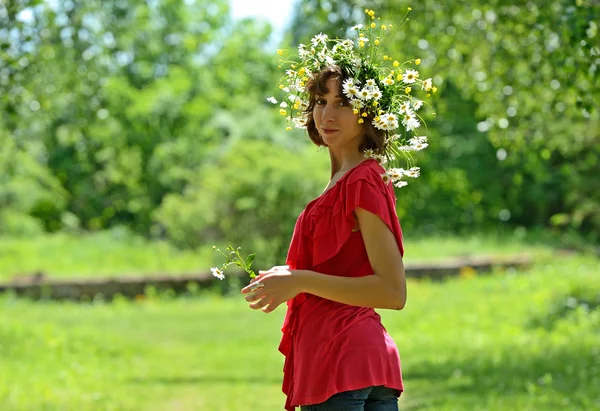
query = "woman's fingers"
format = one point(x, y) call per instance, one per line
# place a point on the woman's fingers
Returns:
point(255, 296)
point(263, 302)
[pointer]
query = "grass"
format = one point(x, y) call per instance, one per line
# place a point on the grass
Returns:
point(472, 343)
point(113, 253)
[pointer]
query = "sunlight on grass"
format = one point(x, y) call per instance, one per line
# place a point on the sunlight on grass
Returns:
point(113, 253)
point(466, 343)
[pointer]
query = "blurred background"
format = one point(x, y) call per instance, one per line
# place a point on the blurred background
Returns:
point(134, 136)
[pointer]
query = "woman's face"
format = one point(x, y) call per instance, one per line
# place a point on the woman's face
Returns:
point(335, 120)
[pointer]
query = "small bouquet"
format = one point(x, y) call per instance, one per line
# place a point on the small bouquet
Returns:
point(233, 257)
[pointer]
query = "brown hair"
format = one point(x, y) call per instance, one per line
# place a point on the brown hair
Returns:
point(317, 86)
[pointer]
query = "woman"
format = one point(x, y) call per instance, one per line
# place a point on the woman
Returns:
point(345, 257)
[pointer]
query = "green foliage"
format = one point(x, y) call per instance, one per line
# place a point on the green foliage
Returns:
point(251, 196)
point(518, 81)
point(120, 113)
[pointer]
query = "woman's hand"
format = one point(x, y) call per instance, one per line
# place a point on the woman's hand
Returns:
point(279, 284)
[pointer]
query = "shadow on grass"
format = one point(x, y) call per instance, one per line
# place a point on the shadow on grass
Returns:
point(572, 373)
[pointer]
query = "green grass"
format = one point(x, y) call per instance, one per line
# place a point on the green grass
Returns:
point(466, 344)
point(113, 253)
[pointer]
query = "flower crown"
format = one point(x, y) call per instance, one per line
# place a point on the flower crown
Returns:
point(377, 88)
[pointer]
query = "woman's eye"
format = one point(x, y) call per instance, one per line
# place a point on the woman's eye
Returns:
point(320, 101)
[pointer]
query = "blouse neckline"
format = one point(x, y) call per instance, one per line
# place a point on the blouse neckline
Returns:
point(346, 174)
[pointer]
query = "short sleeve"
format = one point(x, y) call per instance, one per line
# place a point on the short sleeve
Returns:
point(333, 218)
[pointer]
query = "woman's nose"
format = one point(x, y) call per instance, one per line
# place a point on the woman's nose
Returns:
point(328, 113)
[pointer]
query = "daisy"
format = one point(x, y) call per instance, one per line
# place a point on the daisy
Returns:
point(417, 104)
point(319, 38)
point(352, 92)
point(370, 83)
point(272, 100)
point(217, 273)
point(410, 76)
point(388, 81)
point(404, 108)
point(386, 177)
point(414, 172)
point(427, 84)
point(364, 94)
point(417, 140)
point(400, 184)
point(376, 93)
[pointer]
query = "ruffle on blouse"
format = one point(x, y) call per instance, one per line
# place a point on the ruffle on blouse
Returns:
point(331, 220)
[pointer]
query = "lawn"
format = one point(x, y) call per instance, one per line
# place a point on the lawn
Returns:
point(508, 341)
point(117, 252)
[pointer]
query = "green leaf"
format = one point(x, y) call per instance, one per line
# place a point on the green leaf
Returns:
point(250, 259)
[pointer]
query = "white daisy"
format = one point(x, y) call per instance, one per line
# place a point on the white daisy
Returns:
point(404, 108)
point(357, 27)
point(400, 184)
point(417, 104)
point(357, 104)
point(369, 153)
point(388, 81)
point(417, 140)
point(376, 93)
point(410, 76)
point(283, 104)
point(412, 124)
point(427, 84)
point(386, 178)
point(319, 39)
point(272, 100)
point(370, 83)
point(217, 273)
point(352, 92)
point(414, 172)
point(364, 94)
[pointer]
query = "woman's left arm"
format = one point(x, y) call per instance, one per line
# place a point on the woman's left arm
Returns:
point(386, 288)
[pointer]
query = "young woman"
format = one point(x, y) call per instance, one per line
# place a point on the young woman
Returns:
point(345, 256)
point(345, 259)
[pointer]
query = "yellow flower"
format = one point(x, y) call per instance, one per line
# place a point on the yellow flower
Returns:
point(371, 13)
point(280, 52)
point(408, 90)
point(434, 89)
point(383, 27)
point(364, 114)
point(386, 58)
point(301, 71)
point(373, 25)
point(361, 44)
point(376, 42)
point(288, 128)
point(377, 118)
point(281, 86)
point(296, 106)
point(418, 61)
point(360, 121)
point(399, 77)
point(355, 111)
point(428, 95)
point(409, 9)
point(396, 63)
point(375, 104)
point(282, 112)
point(293, 66)
point(390, 26)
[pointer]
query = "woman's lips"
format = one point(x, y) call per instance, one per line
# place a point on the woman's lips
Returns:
point(328, 130)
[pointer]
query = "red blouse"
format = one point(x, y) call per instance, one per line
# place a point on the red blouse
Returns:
point(332, 347)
